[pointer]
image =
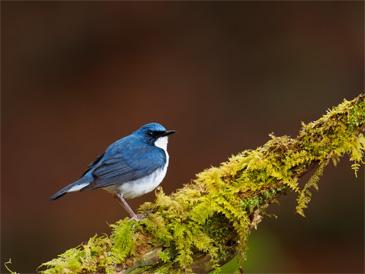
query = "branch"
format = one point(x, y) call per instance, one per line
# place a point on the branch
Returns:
point(207, 222)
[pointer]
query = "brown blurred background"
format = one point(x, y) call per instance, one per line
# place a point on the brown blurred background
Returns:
point(77, 76)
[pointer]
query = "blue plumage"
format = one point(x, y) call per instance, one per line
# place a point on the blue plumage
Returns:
point(130, 167)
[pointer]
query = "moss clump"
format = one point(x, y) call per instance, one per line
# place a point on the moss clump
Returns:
point(207, 222)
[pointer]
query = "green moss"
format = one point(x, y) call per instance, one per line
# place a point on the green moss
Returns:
point(7, 267)
point(101, 253)
point(220, 207)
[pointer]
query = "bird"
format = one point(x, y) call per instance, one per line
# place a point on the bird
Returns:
point(129, 168)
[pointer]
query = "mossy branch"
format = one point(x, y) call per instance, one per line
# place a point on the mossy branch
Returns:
point(207, 222)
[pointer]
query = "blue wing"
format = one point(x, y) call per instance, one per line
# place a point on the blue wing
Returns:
point(125, 166)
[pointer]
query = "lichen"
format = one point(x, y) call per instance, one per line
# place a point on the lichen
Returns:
point(218, 209)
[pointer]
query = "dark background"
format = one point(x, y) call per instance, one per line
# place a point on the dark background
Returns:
point(77, 76)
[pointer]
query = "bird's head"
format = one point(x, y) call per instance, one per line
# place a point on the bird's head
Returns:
point(154, 134)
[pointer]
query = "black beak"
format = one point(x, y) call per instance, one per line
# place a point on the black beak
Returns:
point(168, 132)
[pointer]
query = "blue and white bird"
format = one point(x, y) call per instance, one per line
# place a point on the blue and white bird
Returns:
point(129, 168)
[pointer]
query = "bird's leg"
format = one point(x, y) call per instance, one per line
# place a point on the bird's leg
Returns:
point(123, 202)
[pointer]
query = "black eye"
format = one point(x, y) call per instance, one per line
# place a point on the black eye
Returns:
point(150, 133)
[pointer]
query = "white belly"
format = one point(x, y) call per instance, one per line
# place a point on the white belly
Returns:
point(141, 186)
